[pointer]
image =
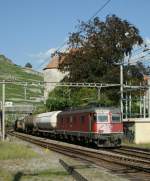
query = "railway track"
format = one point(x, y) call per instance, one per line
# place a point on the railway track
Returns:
point(133, 152)
point(135, 168)
point(136, 148)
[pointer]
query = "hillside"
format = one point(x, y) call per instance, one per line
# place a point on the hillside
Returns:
point(16, 92)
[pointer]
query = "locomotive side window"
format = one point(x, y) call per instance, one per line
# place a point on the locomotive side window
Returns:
point(116, 118)
point(102, 118)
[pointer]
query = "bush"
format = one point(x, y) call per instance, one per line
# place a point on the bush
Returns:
point(53, 104)
point(28, 65)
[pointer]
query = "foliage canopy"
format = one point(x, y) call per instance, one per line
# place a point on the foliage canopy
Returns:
point(97, 47)
point(28, 65)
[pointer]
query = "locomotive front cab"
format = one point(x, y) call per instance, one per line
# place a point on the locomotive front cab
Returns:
point(109, 128)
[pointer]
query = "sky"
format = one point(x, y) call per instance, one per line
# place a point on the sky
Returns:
point(30, 30)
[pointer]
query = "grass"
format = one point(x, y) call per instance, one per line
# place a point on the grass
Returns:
point(50, 174)
point(10, 150)
point(5, 175)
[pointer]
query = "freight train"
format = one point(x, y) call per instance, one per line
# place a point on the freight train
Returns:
point(100, 126)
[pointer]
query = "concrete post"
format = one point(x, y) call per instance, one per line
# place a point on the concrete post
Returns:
point(0, 125)
point(121, 88)
point(141, 106)
point(99, 93)
point(130, 104)
point(126, 105)
point(149, 98)
point(25, 91)
point(140, 103)
point(3, 110)
point(144, 104)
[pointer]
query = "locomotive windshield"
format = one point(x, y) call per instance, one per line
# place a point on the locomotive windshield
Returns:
point(102, 118)
point(116, 118)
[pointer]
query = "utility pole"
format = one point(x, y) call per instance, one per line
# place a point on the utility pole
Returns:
point(140, 103)
point(3, 110)
point(149, 98)
point(121, 88)
point(25, 91)
point(144, 102)
point(99, 93)
point(130, 104)
point(1, 123)
point(126, 105)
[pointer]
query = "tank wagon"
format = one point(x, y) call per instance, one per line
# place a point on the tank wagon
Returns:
point(19, 125)
point(29, 124)
point(101, 126)
point(46, 122)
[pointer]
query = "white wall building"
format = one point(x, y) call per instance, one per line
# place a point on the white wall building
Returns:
point(52, 74)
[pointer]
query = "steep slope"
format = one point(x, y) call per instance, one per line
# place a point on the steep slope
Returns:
point(20, 92)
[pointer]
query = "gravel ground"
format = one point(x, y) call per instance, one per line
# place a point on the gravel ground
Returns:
point(46, 167)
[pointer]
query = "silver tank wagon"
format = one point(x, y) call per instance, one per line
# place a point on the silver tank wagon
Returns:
point(46, 121)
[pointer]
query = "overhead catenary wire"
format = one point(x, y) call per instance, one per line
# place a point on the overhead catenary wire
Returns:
point(99, 10)
point(132, 60)
point(69, 84)
point(140, 60)
point(44, 62)
point(94, 15)
point(142, 56)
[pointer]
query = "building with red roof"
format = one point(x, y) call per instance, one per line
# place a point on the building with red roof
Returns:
point(52, 75)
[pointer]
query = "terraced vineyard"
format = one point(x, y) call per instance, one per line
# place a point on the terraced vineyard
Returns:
point(16, 92)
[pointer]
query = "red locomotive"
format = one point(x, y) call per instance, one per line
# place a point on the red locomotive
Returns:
point(101, 126)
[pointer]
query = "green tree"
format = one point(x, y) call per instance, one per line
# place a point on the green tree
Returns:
point(59, 99)
point(97, 47)
point(28, 65)
point(134, 73)
point(53, 104)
